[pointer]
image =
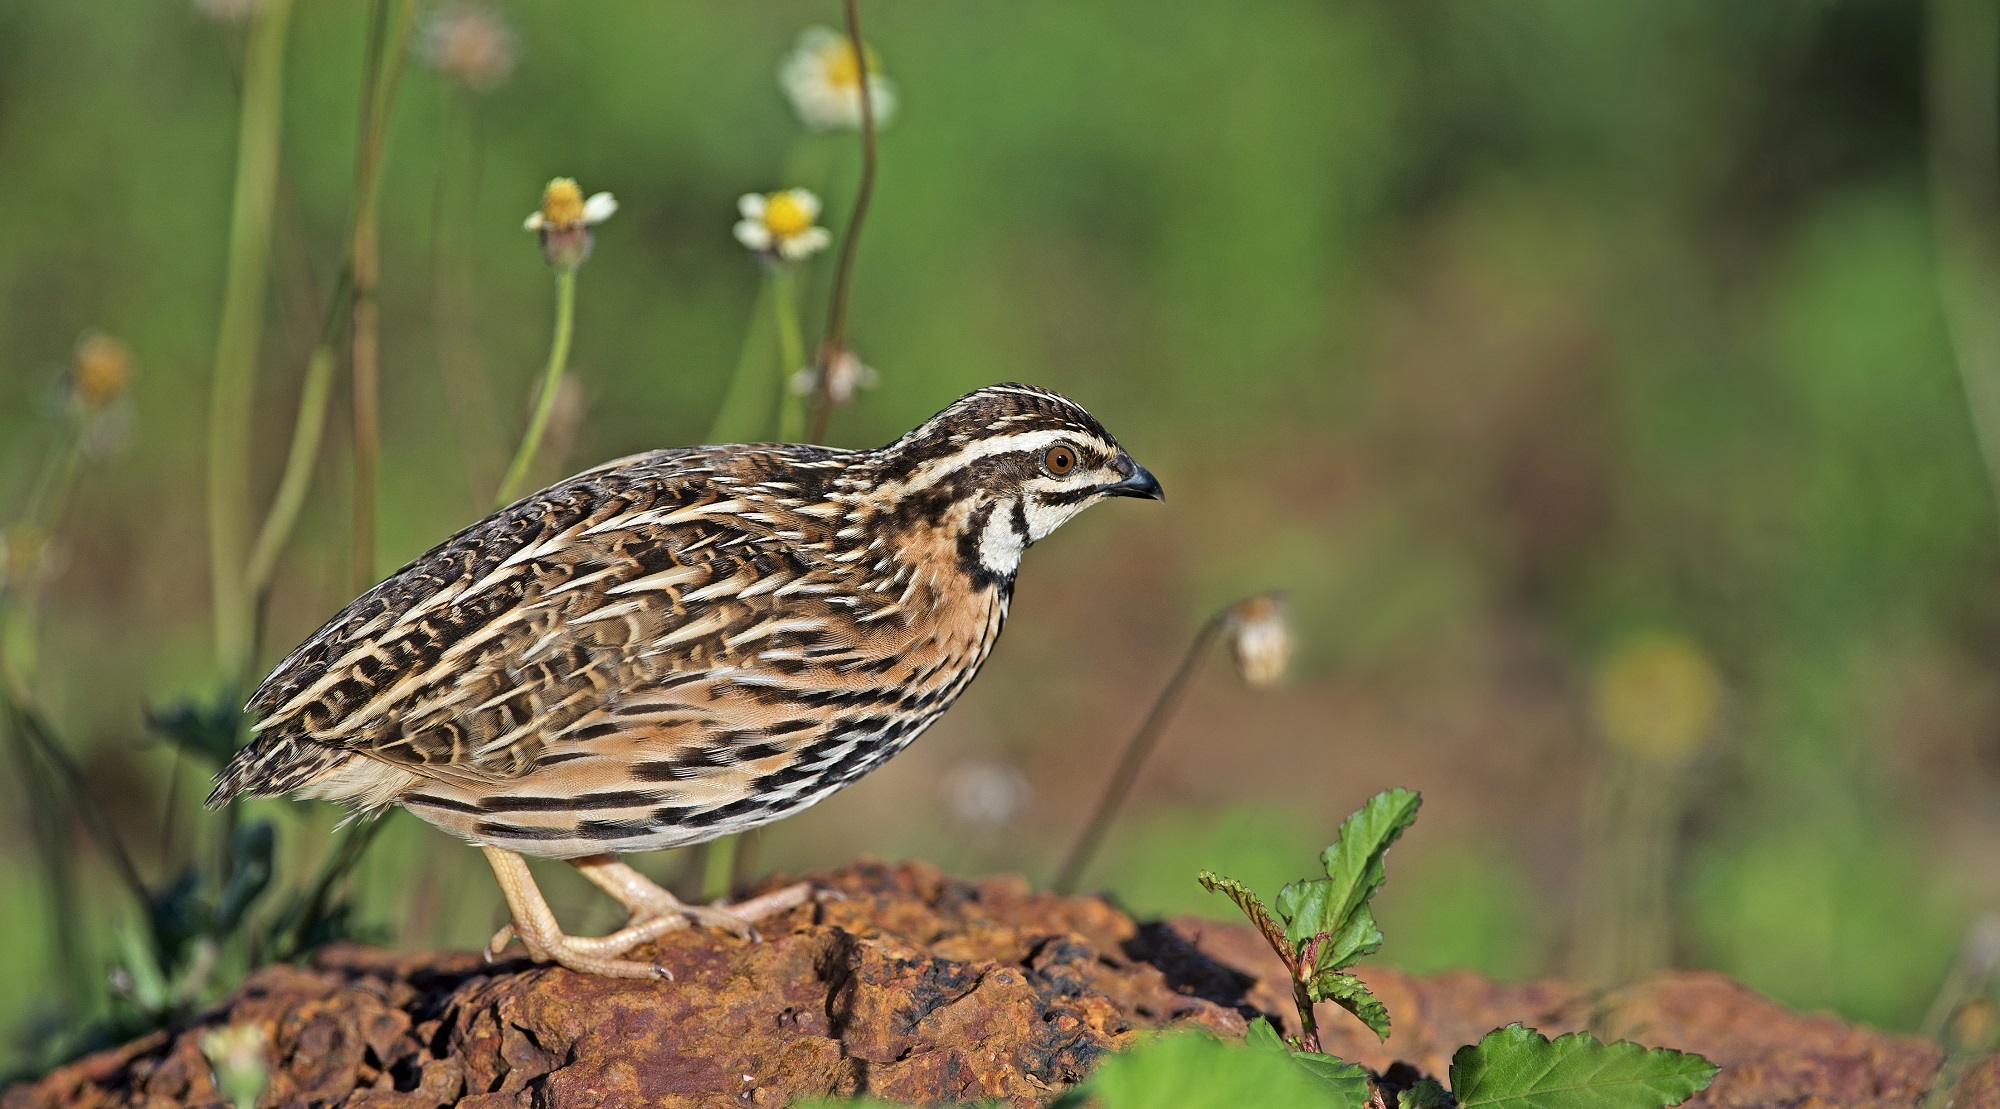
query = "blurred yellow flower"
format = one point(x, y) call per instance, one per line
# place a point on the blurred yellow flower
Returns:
point(471, 44)
point(822, 79)
point(1657, 697)
point(1260, 639)
point(781, 225)
point(100, 371)
point(565, 219)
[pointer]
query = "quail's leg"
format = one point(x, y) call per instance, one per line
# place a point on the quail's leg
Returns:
point(647, 901)
point(536, 926)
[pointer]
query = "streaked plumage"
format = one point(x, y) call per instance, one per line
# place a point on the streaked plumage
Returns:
point(682, 644)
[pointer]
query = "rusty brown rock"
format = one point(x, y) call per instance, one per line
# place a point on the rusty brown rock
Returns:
point(916, 987)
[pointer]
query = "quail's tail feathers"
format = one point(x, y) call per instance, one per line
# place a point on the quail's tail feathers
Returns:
point(272, 764)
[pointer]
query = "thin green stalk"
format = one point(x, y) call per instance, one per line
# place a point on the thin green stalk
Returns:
point(545, 403)
point(1963, 76)
point(835, 340)
point(307, 430)
point(230, 402)
point(380, 73)
point(745, 406)
point(57, 862)
point(1136, 749)
point(346, 855)
point(27, 719)
point(719, 867)
point(791, 352)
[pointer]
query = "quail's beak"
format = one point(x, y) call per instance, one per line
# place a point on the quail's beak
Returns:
point(1141, 483)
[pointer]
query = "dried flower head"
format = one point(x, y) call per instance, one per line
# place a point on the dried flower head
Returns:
point(781, 226)
point(565, 219)
point(846, 377)
point(1260, 640)
point(822, 79)
point(471, 44)
point(236, 1057)
point(1657, 696)
point(100, 371)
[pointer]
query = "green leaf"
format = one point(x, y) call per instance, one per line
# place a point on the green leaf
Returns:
point(1426, 1094)
point(1343, 1079)
point(1358, 936)
point(1253, 907)
point(1354, 861)
point(1191, 1070)
point(1351, 994)
point(1518, 1068)
point(1263, 1037)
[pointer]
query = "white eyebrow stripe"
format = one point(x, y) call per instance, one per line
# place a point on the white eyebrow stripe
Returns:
point(930, 473)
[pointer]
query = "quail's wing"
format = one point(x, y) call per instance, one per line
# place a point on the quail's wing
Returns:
point(471, 661)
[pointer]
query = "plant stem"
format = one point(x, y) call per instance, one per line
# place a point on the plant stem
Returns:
point(367, 401)
point(1964, 144)
point(719, 867)
point(232, 390)
point(309, 426)
point(379, 75)
point(791, 352)
point(354, 842)
point(745, 408)
point(24, 716)
point(835, 340)
point(545, 402)
point(1134, 757)
point(308, 429)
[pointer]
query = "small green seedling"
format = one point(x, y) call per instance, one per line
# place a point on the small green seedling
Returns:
point(1327, 925)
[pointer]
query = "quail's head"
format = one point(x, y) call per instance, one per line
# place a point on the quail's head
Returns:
point(1005, 466)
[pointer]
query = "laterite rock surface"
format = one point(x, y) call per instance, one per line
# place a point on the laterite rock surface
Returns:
point(915, 987)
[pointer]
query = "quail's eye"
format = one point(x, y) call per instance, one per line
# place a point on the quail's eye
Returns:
point(1060, 460)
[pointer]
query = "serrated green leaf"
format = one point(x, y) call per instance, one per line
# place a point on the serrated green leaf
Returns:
point(1306, 906)
point(1518, 1068)
point(1426, 1094)
point(1358, 936)
point(1354, 861)
point(1345, 1081)
point(1351, 994)
point(1263, 1037)
point(1253, 907)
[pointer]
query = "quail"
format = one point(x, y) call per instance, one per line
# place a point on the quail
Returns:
point(677, 646)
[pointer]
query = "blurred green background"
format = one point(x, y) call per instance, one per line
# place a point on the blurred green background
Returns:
point(1579, 368)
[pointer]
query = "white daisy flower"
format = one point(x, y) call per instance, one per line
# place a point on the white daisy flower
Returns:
point(564, 221)
point(822, 79)
point(780, 226)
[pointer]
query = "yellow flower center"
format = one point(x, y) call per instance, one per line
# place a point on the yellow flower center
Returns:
point(843, 71)
point(784, 216)
point(562, 203)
